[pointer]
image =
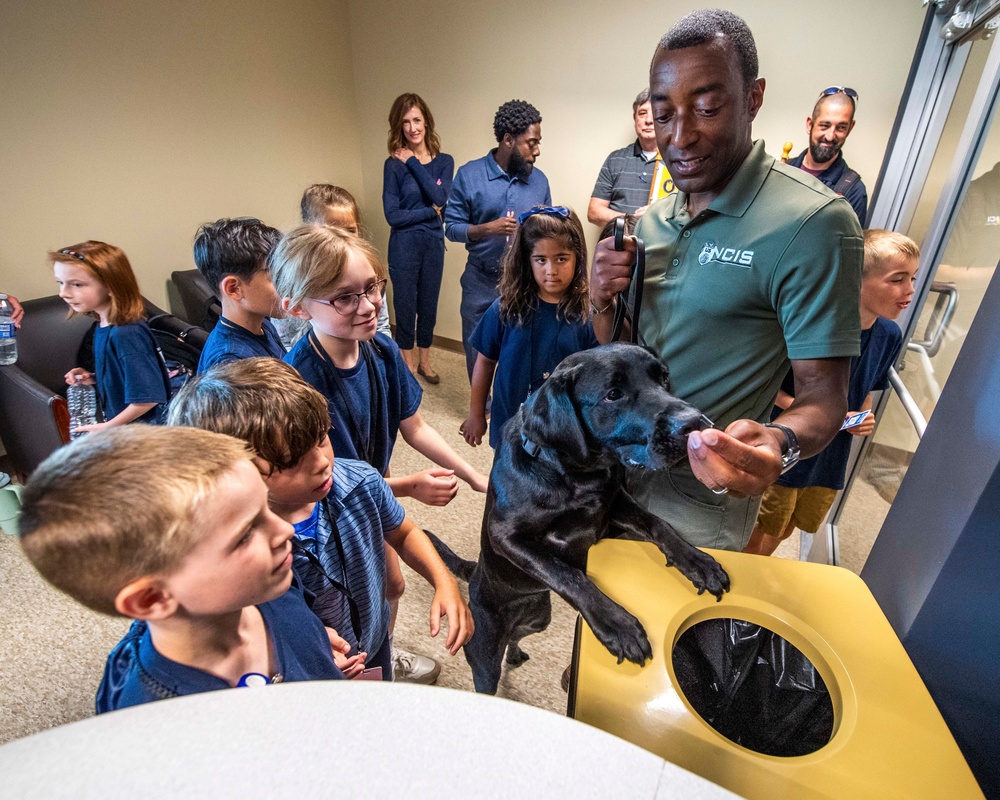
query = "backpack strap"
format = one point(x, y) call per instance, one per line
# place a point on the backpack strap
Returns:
point(846, 180)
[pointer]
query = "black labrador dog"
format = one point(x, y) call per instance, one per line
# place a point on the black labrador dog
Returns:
point(557, 487)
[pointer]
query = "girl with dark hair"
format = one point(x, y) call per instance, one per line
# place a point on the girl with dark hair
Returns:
point(416, 182)
point(541, 316)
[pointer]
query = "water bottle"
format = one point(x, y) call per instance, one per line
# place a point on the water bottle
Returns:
point(8, 342)
point(82, 402)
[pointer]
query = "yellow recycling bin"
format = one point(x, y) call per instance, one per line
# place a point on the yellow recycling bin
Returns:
point(887, 738)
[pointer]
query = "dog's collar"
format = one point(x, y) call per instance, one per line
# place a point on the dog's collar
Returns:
point(530, 447)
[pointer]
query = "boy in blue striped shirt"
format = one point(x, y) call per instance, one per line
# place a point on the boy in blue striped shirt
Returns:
point(342, 510)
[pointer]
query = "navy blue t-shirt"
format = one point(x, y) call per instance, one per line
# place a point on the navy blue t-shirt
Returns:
point(525, 355)
point(231, 342)
point(869, 372)
point(129, 369)
point(136, 673)
point(364, 423)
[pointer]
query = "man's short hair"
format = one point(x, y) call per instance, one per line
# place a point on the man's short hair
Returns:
point(838, 97)
point(515, 117)
point(704, 26)
point(237, 247)
point(121, 504)
point(882, 247)
point(642, 97)
point(262, 401)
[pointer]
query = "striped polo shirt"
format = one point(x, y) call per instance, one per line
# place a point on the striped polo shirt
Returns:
point(364, 509)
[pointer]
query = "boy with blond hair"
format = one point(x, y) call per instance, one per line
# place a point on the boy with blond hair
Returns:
point(342, 510)
point(171, 527)
point(802, 496)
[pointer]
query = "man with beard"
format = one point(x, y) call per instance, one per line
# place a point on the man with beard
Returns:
point(486, 198)
point(750, 268)
point(624, 182)
point(829, 126)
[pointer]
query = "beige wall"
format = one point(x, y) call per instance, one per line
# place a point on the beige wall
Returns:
point(135, 122)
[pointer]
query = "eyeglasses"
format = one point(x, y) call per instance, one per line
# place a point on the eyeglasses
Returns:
point(845, 89)
point(75, 255)
point(348, 302)
point(554, 211)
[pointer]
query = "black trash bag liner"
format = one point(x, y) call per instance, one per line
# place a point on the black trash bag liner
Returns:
point(754, 687)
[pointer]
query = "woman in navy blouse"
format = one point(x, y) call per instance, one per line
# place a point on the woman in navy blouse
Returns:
point(416, 182)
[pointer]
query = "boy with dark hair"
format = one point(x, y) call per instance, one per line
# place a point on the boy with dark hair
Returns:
point(486, 198)
point(342, 510)
point(802, 496)
point(171, 527)
point(232, 255)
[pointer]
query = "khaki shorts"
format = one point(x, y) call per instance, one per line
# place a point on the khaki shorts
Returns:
point(805, 509)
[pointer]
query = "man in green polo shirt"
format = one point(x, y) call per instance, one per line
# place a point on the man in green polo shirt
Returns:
point(749, 268)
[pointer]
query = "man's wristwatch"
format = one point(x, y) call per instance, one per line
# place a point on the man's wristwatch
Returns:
point(790, 452)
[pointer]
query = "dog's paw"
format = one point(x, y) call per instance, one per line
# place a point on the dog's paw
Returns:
point(515, 655)
point(623, 636)
point(703, 571)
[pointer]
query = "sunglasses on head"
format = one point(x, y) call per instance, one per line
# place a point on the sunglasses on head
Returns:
point(837, 89)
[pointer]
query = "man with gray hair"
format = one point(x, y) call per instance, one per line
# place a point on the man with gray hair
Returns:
point(751, 268)
point(623, 184)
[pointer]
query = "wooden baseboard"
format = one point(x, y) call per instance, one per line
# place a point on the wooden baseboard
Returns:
point(451, 345)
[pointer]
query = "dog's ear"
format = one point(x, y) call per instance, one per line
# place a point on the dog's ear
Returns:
point(551, 419)
point(663, 363)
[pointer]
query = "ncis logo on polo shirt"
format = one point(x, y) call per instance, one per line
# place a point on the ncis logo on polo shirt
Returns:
point(725, 255)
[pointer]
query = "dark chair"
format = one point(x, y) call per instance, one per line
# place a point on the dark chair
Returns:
point(34, 419)
point(201, 306)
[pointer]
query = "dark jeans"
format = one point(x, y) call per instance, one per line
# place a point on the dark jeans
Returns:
point(479, 290)
point(416, 263)
point(383, 658)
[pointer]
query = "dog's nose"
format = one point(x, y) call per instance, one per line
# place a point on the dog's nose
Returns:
point(687, 420)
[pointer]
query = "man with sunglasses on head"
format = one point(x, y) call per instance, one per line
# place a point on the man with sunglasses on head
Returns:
point(829, 126)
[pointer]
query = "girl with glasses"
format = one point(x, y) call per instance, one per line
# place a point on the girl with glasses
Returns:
point(333, 280)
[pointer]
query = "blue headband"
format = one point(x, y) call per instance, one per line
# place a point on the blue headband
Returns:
point(555, 211)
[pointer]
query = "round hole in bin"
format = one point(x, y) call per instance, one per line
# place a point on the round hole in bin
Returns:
point(754, 687)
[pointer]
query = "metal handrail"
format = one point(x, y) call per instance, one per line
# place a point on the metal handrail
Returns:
point(909, 404)
point(941, 314)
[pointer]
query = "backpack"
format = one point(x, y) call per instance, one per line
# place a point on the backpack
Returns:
point(179, 357)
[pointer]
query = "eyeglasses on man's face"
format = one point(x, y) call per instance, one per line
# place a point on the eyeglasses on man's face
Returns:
point(348, 302)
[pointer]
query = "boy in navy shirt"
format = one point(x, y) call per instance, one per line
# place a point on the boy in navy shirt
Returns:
point(343, 511)
point(232, 255)
point(802, 496)
point(171, 526)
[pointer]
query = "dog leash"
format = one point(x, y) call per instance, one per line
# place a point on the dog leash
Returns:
point(637, 279)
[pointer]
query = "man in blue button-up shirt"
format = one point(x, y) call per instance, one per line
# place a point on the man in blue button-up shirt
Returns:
point(486, 198)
